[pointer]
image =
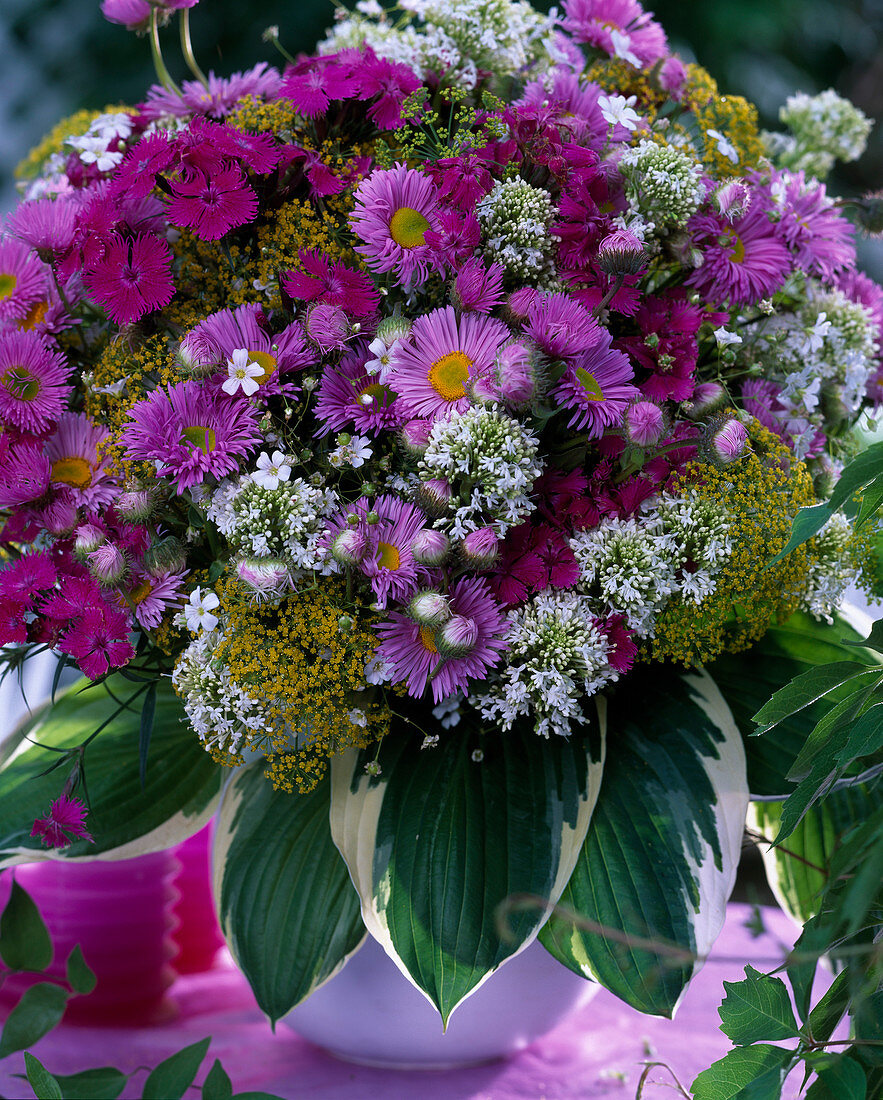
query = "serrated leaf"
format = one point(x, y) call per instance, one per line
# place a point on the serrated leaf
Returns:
point(660, 855)
point(104, 1083)
point(841, 716)
point(807, 688)
point(217, 1085)
point(757, 1009)
point(439, 841)
point(831, 1008)
point(125, 818)
point(842, 1079)
point(38, 1011)
point(80, 977)
point(745, 1073)
point(41, 1080)
point(172, 1077)
point(293, 890)
point(24, 938)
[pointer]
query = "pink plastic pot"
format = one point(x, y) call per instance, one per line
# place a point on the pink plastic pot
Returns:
point(197, 934)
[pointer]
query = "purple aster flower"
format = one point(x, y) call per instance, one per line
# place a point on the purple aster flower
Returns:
point(212, 342)
point(394, 209)
point(23, 279)
point(619, 27)
point(65, 823)
point(33, 382)
point(217, 101)
point(211, 205)
point(861, 289)
point(413, 654)
point(154, 594)
point(596, 386)
point(24, 473)
point(576, 104)
point(742, 262)
point(478, 287)
point(192, 431)
point(132, 277)
point(388, 528)
point(821, 240)
point(348, 394)
point(47, 224)
point(562, 327)
point(443, 352)
point(73, 451)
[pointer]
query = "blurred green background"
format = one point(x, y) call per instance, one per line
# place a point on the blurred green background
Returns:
point(58, 55)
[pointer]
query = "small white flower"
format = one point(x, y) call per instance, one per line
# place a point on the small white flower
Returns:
point(815, 337)
point(355, 453)
point(241, 374)
point(616, 109)
point(198, 612)
point(621, 43)
point(357, 717)
point(271, 471)
point(724, 146)
point(430, 741)
point(724, 337)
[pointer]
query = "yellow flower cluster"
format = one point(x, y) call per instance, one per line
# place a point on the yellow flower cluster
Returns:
point(730, 115)
point(761, 493)
point(305, 660)
point(74, 125)
point(254, 116)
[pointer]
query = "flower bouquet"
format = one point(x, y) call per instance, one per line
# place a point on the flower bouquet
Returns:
point(413, 439)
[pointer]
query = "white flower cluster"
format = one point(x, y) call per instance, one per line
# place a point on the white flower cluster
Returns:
point(634, 567)
point(824, 128)
point(92, 147)
point(223, 715)
point(557, 657)
point(830, 571)
point(459, 37)
point(515, 220)
point(663, 184)
point(490, 462)
point(284, 522)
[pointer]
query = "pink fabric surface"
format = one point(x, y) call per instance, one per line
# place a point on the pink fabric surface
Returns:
point(598, 1052)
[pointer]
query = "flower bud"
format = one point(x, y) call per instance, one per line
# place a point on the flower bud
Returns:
point(136, 505)
point(350, 547)
point(706, 398)
point(327, 326)
point(430, 547)
point(433, 496)
point(733, 198)
point(518, 371)
point(519, 302)
point(621, 253)
point(393, 328)
point(60, 516)
point(457, 637)
point(483, 389)
point(268, 578)
point(107, 564)
point(481, 548)
point(415, 436)
point(166, 556)
point(88, 538)
point(430, 609)
point(726, 442)
point(644, 423)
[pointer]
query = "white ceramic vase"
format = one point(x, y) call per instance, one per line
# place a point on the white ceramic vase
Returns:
point(370, 1014)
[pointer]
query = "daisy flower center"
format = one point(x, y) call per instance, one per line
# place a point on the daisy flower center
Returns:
point(200, 436)
point(266, 362)
point(428, 640)
point(589, 383)
point(139, 595)
point(34, 315)
point(407, 227)
point(448, 375)
point(388, 556)
point(8, 283)
point(21, 383)
point(378, 392)
point(75, 471)
point(737, 256)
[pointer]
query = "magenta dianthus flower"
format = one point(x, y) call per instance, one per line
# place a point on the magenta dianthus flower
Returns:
point(320, 280)
point(211, 205)
point(413, 652)
point(65, 823)
point(192, 431)
point(132, 278)
point(99, 641)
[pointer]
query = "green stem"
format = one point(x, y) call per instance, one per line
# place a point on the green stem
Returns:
point(187, 49)
point(156, 53)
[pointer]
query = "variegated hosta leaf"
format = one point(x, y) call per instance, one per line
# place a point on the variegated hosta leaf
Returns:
point(797, 869)
point(441, 838)
point(660, 856)
point(284, 899)
point(126, 819)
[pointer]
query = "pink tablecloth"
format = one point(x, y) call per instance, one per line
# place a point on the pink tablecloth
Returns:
point(596, 1053)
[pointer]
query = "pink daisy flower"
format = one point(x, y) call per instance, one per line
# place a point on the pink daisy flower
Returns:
point(443, 352)
point(560, 326)
point(385, 554)
point(65, 823)
point(212, 205)
point(821, 240)
point(213, 341)
point(619, 27)
point(216, 101)
point(478, 287)
point(154, 594)
point(73, 451)
point(33, 382)
point(192, 431)
point(23, 279)
point(348, 394)
point(47, 224)
point(743, 261)
point(413, 652)
point(132, 278)
point(24, 473)
point(394, 209)
point(596, 386)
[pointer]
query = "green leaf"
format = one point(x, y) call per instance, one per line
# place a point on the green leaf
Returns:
point(660, 856)
point(257, 1096)
point(125, 818)
point(105, 1083)
point(80, 978)
point(217, 1085)
point(745, 1073)
point(38, 1011)
point(45, 1086)
point(874, 640)
point(808, 687)
point(439, 841)
point(841, 717)
point(757, 1009)
point(279, 880)
point(831, 1008)
point(148, 713)
point(872, 498)
point(842, 1079)
point(24, 938)
point(171, 1078)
